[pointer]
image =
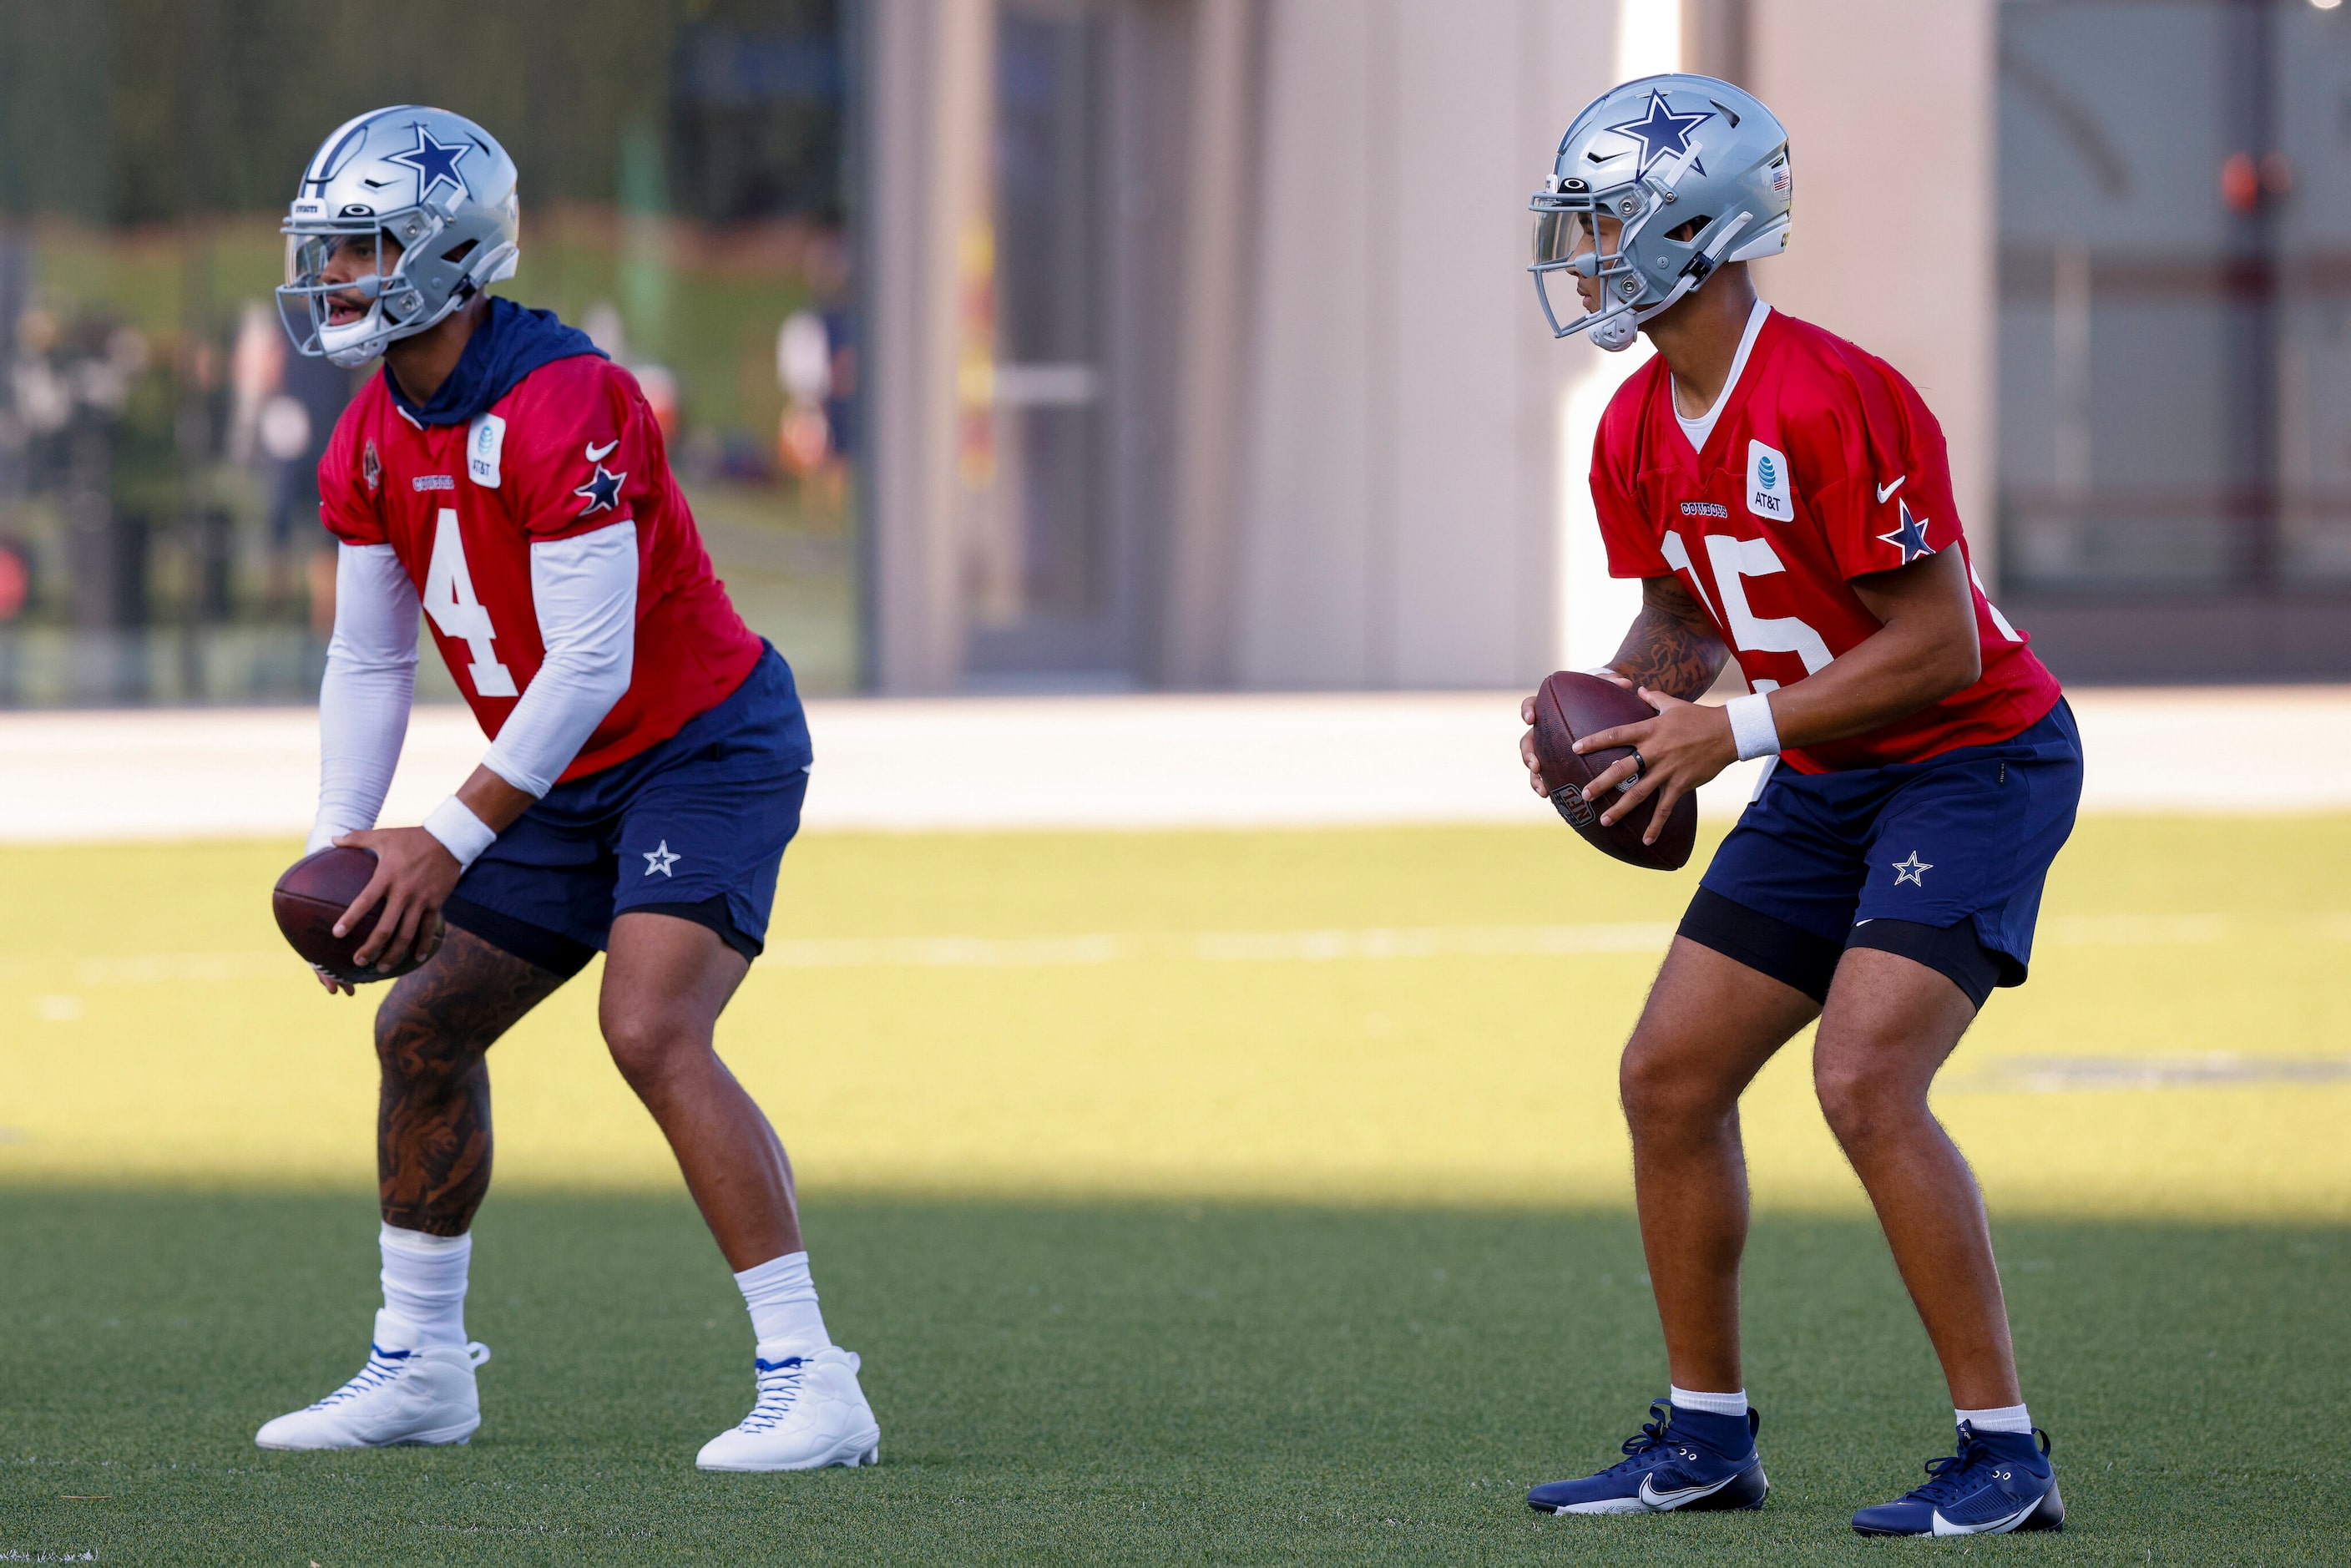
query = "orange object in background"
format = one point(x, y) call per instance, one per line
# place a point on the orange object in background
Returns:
point(803, 439)
point(2241, 182)
point(16, 582)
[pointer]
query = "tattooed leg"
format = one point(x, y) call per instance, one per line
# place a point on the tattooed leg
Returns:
point(432, 1121)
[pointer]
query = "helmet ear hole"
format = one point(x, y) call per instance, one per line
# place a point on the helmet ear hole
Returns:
point(456, 255)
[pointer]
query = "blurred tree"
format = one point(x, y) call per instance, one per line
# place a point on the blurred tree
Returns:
point(137, 112)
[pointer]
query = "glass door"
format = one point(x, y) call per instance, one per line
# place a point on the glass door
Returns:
point(1045, 559)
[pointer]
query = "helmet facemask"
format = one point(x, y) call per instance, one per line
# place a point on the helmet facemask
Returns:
point(394, 309)
point(1581, 232)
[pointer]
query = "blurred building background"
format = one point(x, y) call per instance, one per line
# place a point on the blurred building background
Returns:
point(1185, 343)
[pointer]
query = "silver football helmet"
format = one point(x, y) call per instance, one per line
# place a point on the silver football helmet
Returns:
point(1642, 162)
point(435, 184)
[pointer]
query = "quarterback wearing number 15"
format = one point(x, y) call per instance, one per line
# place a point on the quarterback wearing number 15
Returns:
point(1785, 500)
point(648, 755)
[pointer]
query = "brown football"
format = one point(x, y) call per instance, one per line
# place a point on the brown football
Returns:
point(1572, 705)
point(312, 896)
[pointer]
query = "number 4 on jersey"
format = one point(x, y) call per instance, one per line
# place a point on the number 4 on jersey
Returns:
point(449, 600)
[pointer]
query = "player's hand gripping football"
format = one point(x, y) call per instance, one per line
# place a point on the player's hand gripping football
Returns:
point(1684, 747)
point(414, 874)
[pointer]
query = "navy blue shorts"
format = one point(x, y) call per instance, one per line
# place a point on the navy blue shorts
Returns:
point(1949, 854)
point(693, 827)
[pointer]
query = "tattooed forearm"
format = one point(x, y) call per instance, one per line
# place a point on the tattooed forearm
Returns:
point(1671, 648)
point(432, 1121)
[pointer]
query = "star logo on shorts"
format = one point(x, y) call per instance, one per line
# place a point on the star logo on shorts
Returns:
point(661, 860)
point(1913, 871)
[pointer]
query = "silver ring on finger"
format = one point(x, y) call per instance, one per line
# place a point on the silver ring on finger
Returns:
point(1639, 764)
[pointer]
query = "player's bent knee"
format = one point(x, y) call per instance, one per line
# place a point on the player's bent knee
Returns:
point(648, 1046)
point(1863, 1102)
point(1660, 1079)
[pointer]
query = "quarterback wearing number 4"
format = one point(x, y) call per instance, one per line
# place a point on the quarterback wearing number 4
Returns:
point(1785, 500)
point(646, 768)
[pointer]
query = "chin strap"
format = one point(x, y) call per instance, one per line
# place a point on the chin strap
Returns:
point(1616, 334)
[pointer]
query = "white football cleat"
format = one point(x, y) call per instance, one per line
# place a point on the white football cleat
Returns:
point(811, 1414)
point(401, 1396)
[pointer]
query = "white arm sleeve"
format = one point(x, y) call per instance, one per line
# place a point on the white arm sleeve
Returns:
point(586, 590)
point(364, 698)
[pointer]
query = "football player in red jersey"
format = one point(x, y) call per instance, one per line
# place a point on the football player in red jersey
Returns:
point(1785, 500)
point(647, 763)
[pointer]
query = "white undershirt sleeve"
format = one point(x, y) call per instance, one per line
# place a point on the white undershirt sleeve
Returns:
point(364, 698)
point(586, 590)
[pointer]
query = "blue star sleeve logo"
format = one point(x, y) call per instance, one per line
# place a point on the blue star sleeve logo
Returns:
point(1662, 134)
point(1909, 535)
point(435, 163)
point(602, 491)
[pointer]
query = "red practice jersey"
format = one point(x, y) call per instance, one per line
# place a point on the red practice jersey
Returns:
point(1824, 466)
point(571, 447)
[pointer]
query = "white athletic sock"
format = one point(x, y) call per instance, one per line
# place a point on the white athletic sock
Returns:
point(2007, 1418)
point(782, 1300)
point(424, 1284)
point(1712, 1403)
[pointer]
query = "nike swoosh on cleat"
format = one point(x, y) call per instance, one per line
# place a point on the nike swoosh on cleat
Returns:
point(1887, 491)
point(1989, 1527)
point(1686, 1495)
point(598, 454)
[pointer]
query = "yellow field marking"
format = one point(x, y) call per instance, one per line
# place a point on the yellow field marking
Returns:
point(1395, 1016)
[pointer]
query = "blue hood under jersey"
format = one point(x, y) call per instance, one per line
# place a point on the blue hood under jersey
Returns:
point(513, 341)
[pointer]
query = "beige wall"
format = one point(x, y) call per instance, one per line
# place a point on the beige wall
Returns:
point(1375, 447)
point(1397, 505)
point(1893, 243)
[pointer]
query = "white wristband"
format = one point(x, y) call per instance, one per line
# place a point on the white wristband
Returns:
point(461, 832)
point(1751, 727)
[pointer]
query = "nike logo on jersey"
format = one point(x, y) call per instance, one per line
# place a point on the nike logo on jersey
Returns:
point(598, 454)
point(1885, 492)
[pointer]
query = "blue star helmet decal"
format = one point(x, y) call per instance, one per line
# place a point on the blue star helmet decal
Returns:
point(1662, 134)
point(1909, 535)
point(602, 491)
point(434, 162)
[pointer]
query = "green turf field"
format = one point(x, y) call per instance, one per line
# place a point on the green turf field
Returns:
point(1213, 1196)
point(1085, 1383)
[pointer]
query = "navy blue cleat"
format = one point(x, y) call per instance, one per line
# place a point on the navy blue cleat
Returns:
point(1682, 1459)
point(1997, 1482)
